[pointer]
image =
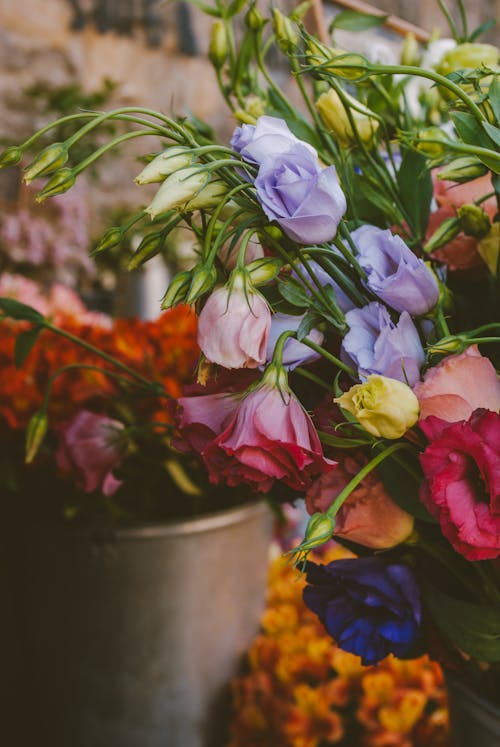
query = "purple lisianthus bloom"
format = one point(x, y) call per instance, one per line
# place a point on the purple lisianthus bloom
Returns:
point(295, 353)
point(376, 345)
point(395, 274)
point(306, 200)
point(324, 279)
point(270, 136)
point(369, 607)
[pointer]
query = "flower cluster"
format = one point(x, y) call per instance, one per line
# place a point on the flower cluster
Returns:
point(299, 691)
point(346, 290)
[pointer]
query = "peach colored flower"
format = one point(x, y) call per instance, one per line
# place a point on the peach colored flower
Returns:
point(458, 385)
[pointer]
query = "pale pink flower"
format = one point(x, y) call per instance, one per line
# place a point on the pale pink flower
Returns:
point(457, 386)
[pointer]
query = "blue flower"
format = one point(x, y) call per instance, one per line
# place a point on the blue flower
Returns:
point(370, 608)
point(376, 345)
point(270, 136)
point(395, 274)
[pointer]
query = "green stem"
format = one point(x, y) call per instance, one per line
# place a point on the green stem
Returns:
point(111, 144)
point(312, 377)
point(329, 357)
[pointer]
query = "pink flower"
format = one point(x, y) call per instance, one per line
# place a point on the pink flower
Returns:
point(462, 489)
point(89, 451)
point(233, 327)
point(269, 437)
point(369, 516)
point(458, 385)
point(201, 419)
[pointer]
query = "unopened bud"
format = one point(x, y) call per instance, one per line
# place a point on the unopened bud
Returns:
point(463, 169)
point(35, 434)
point(59, 183)
point(254, 20)
point(218, 48)
point(150, 246)
point(447, 231)
point(468, 55)
point(489, 248)
point(208, 197)
point(410, 51)
point(319, 530)
point(431, 142)
point(264, 270)
point(204, 279)
point(177, 190)
point(474, 221)
point(450, 344)
point(334, 115)
point(164, 164)
point(177, 290)
point(10, 156)
point(52, 158)
point(300, 11)
point(286, 34)
point(109, 240)
point(344, 65)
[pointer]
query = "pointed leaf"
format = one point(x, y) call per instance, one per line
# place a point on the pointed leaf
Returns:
point(470, 130)
point(294, 293)
point(493, 132)
point(310, 320)
point(494, 97)
point(24, 343)
point(415, 189)
point(20, 311)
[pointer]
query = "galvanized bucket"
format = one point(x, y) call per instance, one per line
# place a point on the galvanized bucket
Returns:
point(475, 722)
point(130, 640)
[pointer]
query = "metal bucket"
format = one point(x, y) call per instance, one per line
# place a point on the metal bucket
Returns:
point(131, 640)
point(475, 722)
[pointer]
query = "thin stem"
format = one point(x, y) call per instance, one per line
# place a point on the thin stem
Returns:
point(329, 357)
point(451, 23)
point(111, 144)
point(312, 377)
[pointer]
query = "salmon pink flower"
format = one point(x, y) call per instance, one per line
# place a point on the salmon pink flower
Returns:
point(458, 385)
point(462, 488)
point(89, 451)
point(269, 437)
point(234, 325)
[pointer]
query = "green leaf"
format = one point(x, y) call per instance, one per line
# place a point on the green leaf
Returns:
point(353, 20)
point(494, 97)
point(470, 130)
point(20, 311)
point(208, 9)
point(310, 320)
point(294, 293)
point(403, 486)
point(492, 131)
point(475, 629)
point(415, 189)
point(482, 29)
point(24, 343)
point(298, 125)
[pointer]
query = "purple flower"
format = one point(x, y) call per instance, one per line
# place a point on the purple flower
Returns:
point(370, 608)
point(324, 279)
point(306, 200)
point(295, 353)
point(270, 136)
point(395, 274)
point(375, 345)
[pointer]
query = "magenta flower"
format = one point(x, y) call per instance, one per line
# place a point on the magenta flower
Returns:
point(89, 450)
point(269, 437)
point(234, 325)
point(462, 488)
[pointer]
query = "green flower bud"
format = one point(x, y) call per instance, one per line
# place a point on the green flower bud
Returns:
point(254, 20)
point(177, 190)
point(474, 221)
point(150, 246)
point(319, 530)
point(447, 231)
point(468, 55)
point(463, 169)
point(208, 197)
point(35, 434)
point(286, 34)
point(410, 51)
point(344, 65)
point(334, 116)
point(10, 156)
point(264, 270)
point(177, 290)
point(218, 48)
point(164, 164)
point(59, 183)
point(109, 240)
point(488, 248)
point(52, 158)
point(432, 149)
point(204, 279)
point(300, 11)
point(450, 344)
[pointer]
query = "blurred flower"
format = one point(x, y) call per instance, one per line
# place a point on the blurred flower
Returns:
point(462, 488)
point(458, 385)
point(374, 344)
point(370, 608)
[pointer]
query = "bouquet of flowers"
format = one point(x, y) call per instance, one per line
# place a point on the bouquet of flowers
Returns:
point(346, 290)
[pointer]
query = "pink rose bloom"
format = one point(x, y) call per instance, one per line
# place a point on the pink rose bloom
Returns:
point(369, 516)
point(458, 385)
point(233, 327)
point(200, 419)
point(269, 437)
point(462, 488)
point(89, 451)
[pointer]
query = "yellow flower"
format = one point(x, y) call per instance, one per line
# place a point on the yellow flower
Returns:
point(334, 115)
point(384, 407)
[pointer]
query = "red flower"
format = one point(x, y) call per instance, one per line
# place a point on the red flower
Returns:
point(269, 437)
point(462, 467)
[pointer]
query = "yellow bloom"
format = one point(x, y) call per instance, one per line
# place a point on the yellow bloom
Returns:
point(384, 407)
point(334, 115)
